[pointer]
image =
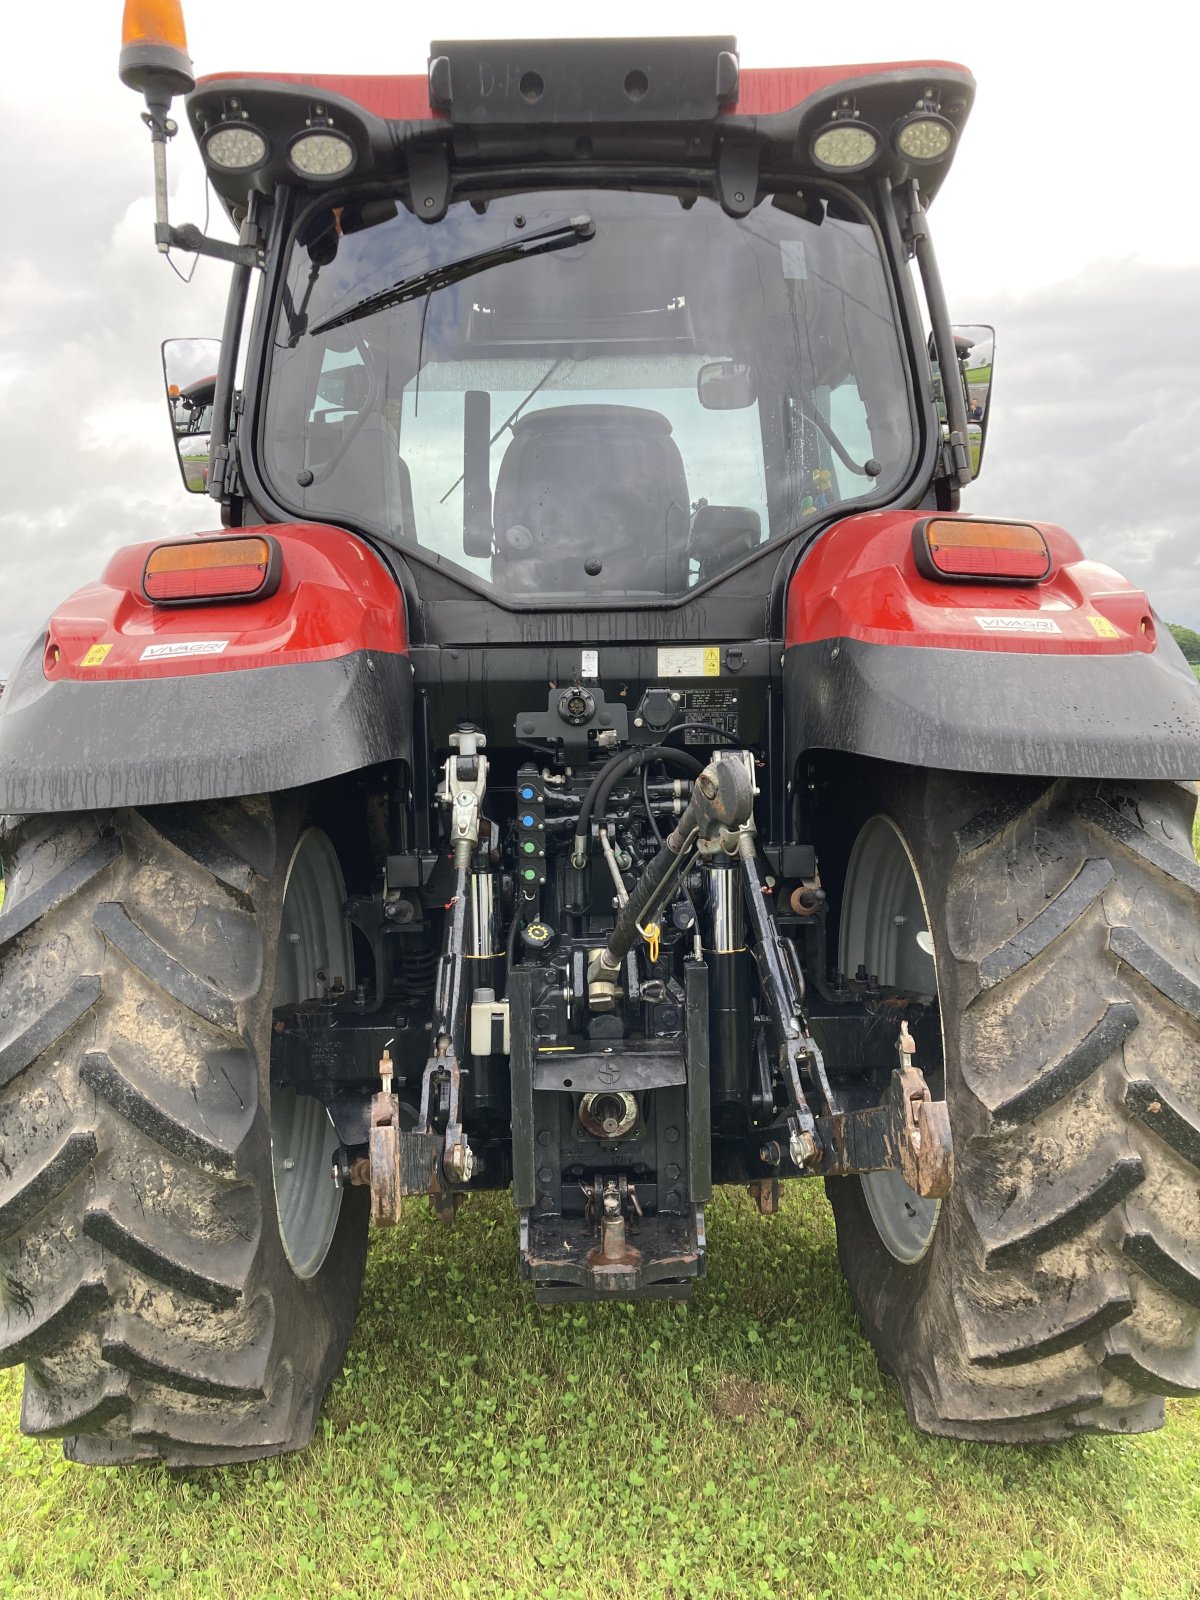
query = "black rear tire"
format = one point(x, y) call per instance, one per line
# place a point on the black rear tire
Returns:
point(1060, 1292)
point(143, 1280)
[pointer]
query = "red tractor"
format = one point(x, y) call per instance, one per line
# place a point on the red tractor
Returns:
point(593, 758)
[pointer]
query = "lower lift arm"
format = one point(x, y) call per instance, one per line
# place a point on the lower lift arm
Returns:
point(908, 1131)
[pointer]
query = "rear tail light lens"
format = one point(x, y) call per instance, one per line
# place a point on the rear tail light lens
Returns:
point(963, 550)
point(212, 569)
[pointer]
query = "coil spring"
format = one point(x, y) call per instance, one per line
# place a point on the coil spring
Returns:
point(418, 968)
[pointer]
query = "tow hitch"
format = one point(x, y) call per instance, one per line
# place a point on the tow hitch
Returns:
point(908, 1132)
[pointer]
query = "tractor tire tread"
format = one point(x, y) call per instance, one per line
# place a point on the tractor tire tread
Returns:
point(146, 1289)
point(1061, 1291)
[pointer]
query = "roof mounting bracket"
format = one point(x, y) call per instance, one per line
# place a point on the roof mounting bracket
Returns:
point(737, 176)
point(429, 181)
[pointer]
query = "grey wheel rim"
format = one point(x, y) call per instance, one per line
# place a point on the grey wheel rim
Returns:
point(315, 951)
point(883, 911)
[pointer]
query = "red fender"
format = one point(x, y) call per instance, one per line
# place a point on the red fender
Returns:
point(860, 581)
point(335, 597)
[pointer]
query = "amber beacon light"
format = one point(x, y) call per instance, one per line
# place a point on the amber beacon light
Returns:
point(154, 52)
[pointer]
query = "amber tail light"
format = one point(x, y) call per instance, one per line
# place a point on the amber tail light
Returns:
point(200, 570)
point(962, 550)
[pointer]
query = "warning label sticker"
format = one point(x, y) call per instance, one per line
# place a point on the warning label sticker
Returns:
point(689, 661)
point(95, 655)
point(1103, 628)
point(1011, 624)
point(183, 647)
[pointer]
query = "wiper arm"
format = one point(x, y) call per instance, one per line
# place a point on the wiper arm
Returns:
point(559, 237)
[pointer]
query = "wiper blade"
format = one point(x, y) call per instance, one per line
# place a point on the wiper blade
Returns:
point(559, 237)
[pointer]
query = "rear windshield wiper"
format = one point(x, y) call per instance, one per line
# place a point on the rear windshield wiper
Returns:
point(560, 237)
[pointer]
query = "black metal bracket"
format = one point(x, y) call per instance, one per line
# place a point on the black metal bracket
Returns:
point(189, 237)
point(737, 176)
point(573, 711)
point(908, 1132)
point(429, 181)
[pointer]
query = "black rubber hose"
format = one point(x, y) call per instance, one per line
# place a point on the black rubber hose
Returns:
point(622, 758)
point(620, 766)
point(625, 929)
point(658, 752)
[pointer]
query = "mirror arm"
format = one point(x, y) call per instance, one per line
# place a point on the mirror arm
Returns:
point(190, 238)
point(222, 469)
point(163, 128)
point(917, 232)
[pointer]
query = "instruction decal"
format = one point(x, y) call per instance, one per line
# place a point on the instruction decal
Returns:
point(689, 661)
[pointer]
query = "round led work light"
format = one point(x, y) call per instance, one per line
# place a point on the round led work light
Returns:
point(923, 136)
point(235, 147)
point(844, 146)
point(322, 155)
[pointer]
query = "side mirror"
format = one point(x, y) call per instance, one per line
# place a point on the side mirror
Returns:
point(726, 386)
point(974, 347)
point(976, 344)
point(190, 375)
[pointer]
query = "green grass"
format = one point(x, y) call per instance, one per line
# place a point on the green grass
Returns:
point(744, 1445)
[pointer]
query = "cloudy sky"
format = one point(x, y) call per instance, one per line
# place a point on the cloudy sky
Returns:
point(1068, 221)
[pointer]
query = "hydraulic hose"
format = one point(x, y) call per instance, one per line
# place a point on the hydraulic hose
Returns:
point(606, 780)
point(722, 798)
point(625, 929)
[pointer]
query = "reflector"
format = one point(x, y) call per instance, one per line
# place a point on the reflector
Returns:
point(962, 549)
point(212, 569)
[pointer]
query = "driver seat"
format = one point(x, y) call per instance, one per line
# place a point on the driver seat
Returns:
point(591, 483)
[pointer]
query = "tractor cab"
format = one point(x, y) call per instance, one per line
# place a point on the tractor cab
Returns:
point(611, 356)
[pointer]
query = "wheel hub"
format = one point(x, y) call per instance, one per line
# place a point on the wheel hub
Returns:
point(885, 929)
point(315, 951)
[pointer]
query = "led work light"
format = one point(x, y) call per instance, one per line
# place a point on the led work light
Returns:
point(234, 147)
point(923, 136)
point(844, 144)
point(322, 154)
